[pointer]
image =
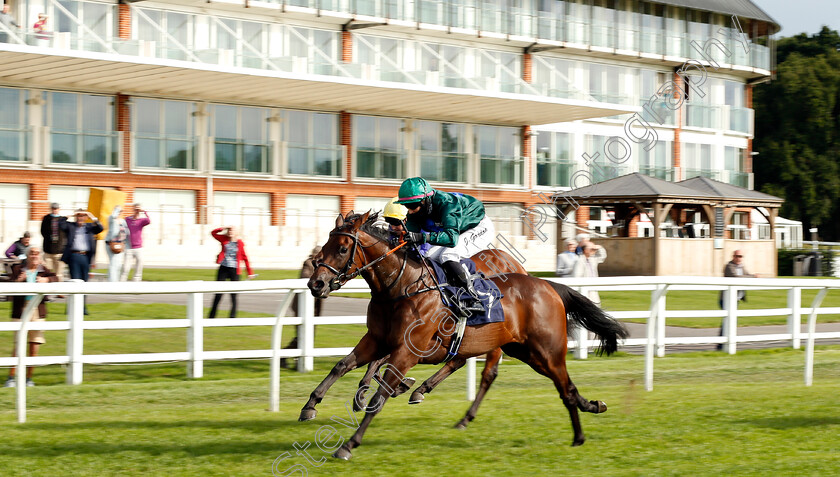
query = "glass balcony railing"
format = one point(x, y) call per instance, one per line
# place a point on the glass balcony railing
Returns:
point(554, 173)
point(702, 116)
point(760, 56)
point(380, 163)
point(165, 152)
point(231, 155)
point(443, 166)
point(311, 160)
point(88, 148)
point(501, 170)
point(14, 144)
point(602, 172)
point(740, 179)
point(657, 113)
point(651, 42)
point(664, 173)
point(740, 120)
point(708, 173)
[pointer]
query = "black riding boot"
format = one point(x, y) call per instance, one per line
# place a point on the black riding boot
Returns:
point(460, 277)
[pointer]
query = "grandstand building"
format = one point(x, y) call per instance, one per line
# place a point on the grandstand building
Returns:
point(277, 115)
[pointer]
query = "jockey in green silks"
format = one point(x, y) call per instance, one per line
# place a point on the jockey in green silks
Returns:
point(454, 224)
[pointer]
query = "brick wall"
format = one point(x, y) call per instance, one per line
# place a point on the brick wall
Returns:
point(748, 159)
point(346, 47)
point(124, 28)
point(278, 204)
point(527, 67)
point(346, 132)
point(677, 144)
point(124, 126)
point(582, 216)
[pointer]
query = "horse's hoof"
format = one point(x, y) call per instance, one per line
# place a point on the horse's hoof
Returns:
point(357, 406)
point(578, 441)
point(343, 453)
point(461, 425)
point(404, 386)
point(601, 405)
point(307, 414)
point(416, 397)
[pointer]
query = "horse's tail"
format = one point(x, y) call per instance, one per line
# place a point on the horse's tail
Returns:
point(584, 312)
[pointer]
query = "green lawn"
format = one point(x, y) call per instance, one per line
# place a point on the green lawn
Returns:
point(709, 415)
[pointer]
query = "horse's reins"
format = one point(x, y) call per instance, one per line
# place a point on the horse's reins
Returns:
point(342, 277)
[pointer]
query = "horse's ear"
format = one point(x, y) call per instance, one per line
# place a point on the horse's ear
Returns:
point(363, 219)
point(350, 214)
point(339, 221)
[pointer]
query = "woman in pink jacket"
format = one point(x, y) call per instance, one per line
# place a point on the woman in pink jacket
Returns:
point(229, 260)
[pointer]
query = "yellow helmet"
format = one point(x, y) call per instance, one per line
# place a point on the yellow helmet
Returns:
point(394, 210)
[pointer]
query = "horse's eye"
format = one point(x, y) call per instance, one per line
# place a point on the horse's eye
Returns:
point(343, 250)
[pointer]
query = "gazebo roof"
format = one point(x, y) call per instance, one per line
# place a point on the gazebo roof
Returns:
point(637, 187)
point(731, 193)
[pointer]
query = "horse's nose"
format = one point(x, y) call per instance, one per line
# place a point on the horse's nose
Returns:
point(318, 285)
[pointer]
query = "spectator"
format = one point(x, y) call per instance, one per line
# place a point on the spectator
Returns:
point(54, 239)
point(735, 268)
point(42, 36)
point(306, 271)
point(116, 241)
point(7, 21)
point(81, 244)
point(19, 249)
point(566, 261)
point(31, 271)
point(135, 233)
point(587, 266)
point(582, 240)
point(229, 260)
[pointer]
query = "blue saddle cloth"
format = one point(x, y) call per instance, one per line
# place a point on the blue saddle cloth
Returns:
point(488, 293)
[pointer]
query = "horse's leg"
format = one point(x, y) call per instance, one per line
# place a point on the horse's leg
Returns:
point(428, 385)
point(488, 375)
point(364, 352)
point(373, 367)
point(399, 363)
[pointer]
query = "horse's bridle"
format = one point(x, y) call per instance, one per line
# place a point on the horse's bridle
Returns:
point(341, 277)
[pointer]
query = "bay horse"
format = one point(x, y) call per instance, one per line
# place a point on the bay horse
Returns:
point(487, 262)
point(401, 322)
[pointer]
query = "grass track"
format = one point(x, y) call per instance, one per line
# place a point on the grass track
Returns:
point(709, 414)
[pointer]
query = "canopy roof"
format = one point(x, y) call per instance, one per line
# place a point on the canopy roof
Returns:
point(741, 8)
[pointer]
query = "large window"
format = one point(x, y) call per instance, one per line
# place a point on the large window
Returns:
point(82, 129)
point(14, 133)
point(554, 159)
point(241, 138)
point(498, 149)
point(602, 167)
point(740, 118)
point(733, 164)
point(698, 160)
point(163, 133)
point(380, 152)
point(312, 143)
point(441, 147)
point(657, 161)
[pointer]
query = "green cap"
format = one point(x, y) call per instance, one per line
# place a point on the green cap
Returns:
point(414, 189)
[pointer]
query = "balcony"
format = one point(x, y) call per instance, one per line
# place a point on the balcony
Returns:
point(554, 173)
point(740, 179)
point(501, 170)
point(380, 163)
point(740, 120)
point(310, 160)
point(443, 166)
point(702, 116)
point(85, 148)
point(165, 152)
point(236, 156)
point(708, 173)
point(15, 144)
point(664, 173)
point(602, 172)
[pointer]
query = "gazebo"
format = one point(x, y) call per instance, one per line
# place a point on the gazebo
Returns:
point(693, 231)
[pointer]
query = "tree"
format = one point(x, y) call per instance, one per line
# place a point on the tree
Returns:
point(798, 131)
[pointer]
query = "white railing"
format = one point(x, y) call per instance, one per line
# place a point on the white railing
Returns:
point(654, 341)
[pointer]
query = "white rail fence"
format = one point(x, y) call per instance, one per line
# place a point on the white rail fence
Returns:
point(654, 341)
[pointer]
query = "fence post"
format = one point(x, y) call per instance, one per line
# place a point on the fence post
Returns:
point(75, 337)
point(195, 335)
point(812, 330)
point(795, 317)
point(306, 331)
point(660, 326)
point(21, 343)
point(276, 344)
point(582, 334)
point(471, 378)
point(650, 329)
point(731, 326)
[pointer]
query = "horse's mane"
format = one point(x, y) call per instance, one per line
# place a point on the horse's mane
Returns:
point(376, 228)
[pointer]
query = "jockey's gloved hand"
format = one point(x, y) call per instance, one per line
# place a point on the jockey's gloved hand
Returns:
point(415, 237)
